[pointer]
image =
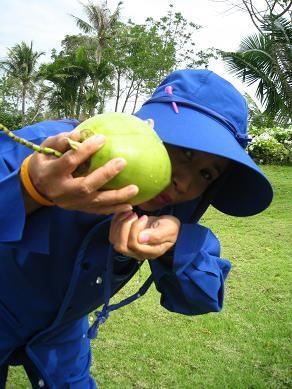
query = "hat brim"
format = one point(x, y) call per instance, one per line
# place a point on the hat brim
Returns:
point(247, 191)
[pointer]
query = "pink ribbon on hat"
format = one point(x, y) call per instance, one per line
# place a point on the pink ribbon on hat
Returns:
point(168, 89)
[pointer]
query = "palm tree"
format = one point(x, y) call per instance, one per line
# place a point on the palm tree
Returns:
point(100, 23)
point(266, 58)
point(21, 65)
point(74, 76)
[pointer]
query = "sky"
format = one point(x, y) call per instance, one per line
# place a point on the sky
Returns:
point(46, 22)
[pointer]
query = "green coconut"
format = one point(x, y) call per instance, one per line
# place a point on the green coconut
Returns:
point(148, 164)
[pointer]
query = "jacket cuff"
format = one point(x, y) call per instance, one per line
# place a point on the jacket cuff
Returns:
point(199, 268)
point(202, 251)
point(195, 284)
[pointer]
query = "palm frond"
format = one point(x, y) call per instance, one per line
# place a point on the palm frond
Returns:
point(83, 25)
point(265, 59)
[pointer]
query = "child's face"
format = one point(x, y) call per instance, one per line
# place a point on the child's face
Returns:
point(192, 172)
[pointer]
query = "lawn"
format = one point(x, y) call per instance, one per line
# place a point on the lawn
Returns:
point(247, 345)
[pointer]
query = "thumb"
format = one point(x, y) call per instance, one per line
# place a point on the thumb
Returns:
point(144, 236)
point(154, 236)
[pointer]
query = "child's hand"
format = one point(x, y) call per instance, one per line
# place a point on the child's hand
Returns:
point(52, 177)
point(146, 238)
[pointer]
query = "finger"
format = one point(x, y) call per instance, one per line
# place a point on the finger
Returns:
point(73, 158)
point(75, 192)
point(120, 234)
point(117, 217)
point(90, 184)
point(147, 251)
point(116, 222)
point(90, 196)
point(117, 196)
point(75, 134)
point(153, 252)
point(57, 142)
point(154, 237)
point(60, 141)
point(160, 230)
point(99, 177)
point(136, 228)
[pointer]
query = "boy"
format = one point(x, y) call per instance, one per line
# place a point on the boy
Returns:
point(56, 261)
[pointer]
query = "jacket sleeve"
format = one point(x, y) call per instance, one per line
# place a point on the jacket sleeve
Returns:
point(195, 283)
point(14, 227)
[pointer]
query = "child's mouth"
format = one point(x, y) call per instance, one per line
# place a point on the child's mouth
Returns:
point(162, 199)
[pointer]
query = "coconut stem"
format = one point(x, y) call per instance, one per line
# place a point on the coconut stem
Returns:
point(32, 146)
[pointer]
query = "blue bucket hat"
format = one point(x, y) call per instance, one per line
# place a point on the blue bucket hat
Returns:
point(200, 110)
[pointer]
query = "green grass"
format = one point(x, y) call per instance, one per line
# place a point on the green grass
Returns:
point(247, 345)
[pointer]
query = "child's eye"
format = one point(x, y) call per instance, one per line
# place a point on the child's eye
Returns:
point(206, 174)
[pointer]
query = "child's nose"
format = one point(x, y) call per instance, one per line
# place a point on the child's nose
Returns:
point(183, 183)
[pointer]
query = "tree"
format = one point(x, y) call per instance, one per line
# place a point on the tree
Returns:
point(75, 78)
point(10, 94)
point(20, 64)
point(260, 10)
point(100, 24)
point(176, 30)
point(256, 118)
point(143, 54)
point(138, 57)
point(266, 58)
point(9, 97)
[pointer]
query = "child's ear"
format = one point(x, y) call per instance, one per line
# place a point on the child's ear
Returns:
point(150, 122)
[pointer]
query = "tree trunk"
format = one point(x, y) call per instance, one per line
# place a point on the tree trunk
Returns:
point(118, 92)
point(136, 98)
point(24, 88)
point(102, 103)
point(98, 54)
point(79, 100)
point(128, 95)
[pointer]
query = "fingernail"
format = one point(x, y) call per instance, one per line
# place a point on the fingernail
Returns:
point(100, 138)
point(133, 190)
point(143, 238)
point(120, 163)
point(143, 218)
point(75, 132)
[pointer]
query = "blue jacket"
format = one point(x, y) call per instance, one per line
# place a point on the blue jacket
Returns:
point(53, 266)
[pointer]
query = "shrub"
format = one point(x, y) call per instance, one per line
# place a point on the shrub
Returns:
point(12, 122)
point(271, 145)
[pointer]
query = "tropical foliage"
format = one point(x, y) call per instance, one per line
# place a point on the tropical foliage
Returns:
point(265, 59)
point(100, 25)
point(271, 145)
point(20, 65)
point(110, 63)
